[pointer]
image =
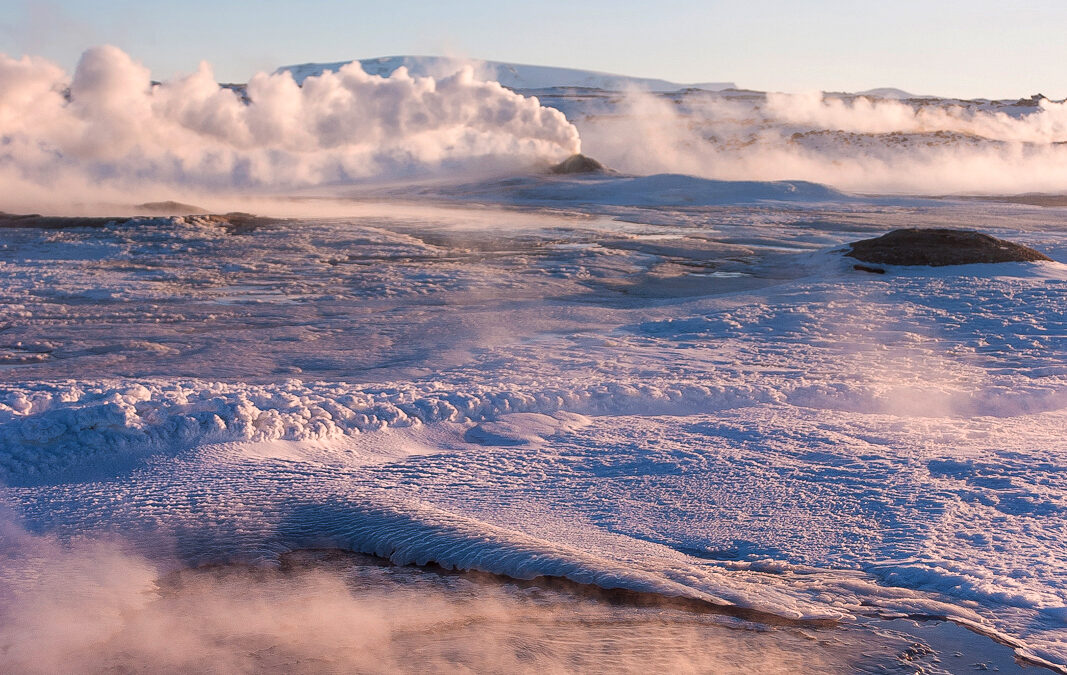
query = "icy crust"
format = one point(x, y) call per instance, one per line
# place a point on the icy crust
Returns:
point(963, 514)
point(657, 517)
point(985, 340)
point(48, 428)
point(418, 533)
point(922, 345)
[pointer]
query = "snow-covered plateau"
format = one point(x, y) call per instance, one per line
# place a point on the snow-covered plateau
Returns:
point(665, 382)
point(510, 75)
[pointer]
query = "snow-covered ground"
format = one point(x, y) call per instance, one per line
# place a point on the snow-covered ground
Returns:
point(659, 380)
point(701, 401)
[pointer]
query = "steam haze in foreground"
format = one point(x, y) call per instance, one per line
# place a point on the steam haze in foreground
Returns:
point(94, 605)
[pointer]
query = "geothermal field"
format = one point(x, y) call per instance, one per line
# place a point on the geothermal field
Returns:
point(419, 364)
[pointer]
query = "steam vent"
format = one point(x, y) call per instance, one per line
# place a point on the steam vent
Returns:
point(579, 164)
point(938, 247)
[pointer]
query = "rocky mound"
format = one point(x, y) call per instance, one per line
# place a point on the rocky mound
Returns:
point(578, 164)
point(170, 208)
point(939, 247)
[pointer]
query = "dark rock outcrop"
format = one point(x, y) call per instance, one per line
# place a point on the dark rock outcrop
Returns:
point(36, 220)
point(233, 223)
point(578, 164)
point(170, 208)
point(938, 247)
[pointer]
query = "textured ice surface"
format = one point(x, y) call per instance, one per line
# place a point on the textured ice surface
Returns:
point(705, 401)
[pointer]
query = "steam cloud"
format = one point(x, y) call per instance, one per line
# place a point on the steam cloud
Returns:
point(853, 143)
point(95, 605)
point(111, 128)
point(109, 132)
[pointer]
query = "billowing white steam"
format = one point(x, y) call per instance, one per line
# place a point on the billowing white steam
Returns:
point(109, 134)
point(109, 126)
point(854, 143)
point(93, 605)
point(880, 116)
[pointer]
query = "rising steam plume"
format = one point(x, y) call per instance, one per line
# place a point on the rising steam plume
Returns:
point(855, 143)
point(109, 133)
point(111, 128)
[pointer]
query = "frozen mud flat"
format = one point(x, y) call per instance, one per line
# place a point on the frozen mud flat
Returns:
point(695, 401)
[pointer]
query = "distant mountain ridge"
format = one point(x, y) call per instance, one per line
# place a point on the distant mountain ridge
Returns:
point(510, 75)
point(889, 92)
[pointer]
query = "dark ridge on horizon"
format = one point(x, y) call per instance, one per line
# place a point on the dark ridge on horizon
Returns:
point(233, 223)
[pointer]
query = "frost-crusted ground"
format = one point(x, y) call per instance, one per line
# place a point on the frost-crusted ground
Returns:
point(697, 400)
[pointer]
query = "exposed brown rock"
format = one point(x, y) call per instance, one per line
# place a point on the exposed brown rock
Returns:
point(939, 247)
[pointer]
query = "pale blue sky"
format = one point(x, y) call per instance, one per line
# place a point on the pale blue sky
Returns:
point(949, 47)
